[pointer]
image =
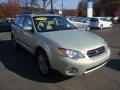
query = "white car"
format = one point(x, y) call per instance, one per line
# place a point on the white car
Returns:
point(76, 21)
point(100, 22)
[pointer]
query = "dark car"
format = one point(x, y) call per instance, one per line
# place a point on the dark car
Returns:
point(4, 25)
point(116, 20)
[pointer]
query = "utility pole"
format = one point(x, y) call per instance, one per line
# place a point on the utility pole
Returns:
point(51, 1)
point(62, 7)
point(90, 8)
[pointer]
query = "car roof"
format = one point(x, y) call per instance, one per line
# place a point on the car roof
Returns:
point(36, 14)
point(98, 17)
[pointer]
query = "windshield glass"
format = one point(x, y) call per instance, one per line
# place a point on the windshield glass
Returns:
point(52, 23)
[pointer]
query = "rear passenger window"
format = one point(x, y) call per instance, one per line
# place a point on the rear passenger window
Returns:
point(16, 20)
point(27, 21)
point(104, 19)
point(21, 20)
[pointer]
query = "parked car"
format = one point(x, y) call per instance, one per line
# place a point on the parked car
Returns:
point(86, 20)
point(77, 21)
point(100, 22)
point(11, 20)
point(116, 19)
point(4, 25)
point(58, 44)
point(109, 17)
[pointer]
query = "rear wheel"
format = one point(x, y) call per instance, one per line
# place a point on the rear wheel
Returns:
point(101, 27)
point(43, 63)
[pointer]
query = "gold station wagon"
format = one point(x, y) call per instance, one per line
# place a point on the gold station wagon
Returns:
point(58, 44)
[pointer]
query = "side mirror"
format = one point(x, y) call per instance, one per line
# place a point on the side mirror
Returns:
point(27, 28)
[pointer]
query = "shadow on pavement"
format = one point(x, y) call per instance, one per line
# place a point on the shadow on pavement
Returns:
point(23, 64)
point(118, 53)
point(114, 64)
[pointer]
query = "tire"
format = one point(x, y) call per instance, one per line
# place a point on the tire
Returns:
point(101, 27)
point(110, 26)
point(43, 63)
point(88, 28)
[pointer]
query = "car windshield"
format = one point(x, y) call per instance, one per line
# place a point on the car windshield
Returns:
point(52, 23)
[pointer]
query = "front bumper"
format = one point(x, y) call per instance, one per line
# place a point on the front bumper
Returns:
point(70, 67)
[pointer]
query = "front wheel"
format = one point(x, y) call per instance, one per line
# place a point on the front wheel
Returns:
point(88, 28)
point(43, 63)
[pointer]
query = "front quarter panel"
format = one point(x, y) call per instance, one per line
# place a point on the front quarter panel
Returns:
point(49, 46)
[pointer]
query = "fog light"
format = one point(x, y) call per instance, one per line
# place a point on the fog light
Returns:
point(72, 70)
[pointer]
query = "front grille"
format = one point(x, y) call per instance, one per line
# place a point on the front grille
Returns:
point(96, 51)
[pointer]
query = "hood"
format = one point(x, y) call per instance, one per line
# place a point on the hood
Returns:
point(75, 39)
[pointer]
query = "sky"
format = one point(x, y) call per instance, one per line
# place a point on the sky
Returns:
point(67, 4)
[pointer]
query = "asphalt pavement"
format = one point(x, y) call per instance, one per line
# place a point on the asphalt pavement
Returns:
point(18, 70)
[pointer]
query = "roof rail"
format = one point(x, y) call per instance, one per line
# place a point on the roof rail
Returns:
point(36, 12)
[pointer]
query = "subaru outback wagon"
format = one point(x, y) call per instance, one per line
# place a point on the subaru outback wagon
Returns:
point(58, 44)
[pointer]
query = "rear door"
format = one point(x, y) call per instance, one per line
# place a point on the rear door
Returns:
point(28, 36)
point(104, 22)
point(17, 28)
point(109, 23)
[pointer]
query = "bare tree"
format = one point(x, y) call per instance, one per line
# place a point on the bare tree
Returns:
point(29, 3)
point(82, 11)
point(45, 3)
point(106, 7)
point(34, 3)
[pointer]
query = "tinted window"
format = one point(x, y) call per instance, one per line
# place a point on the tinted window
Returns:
point(103, 19)
point(3, 22)
point(93, 19)
point(3, 19)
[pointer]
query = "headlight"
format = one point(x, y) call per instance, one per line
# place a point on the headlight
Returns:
point(73, 54)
